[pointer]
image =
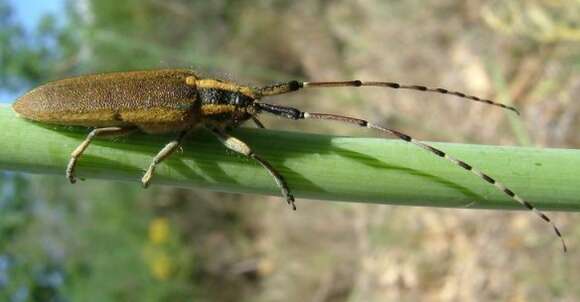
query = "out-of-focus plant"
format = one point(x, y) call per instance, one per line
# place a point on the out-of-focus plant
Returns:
point(28, 58)
point(541, 20)
point(157, 256)
point(25, 274)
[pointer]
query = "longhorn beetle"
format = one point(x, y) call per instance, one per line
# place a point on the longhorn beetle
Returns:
point(176, 100)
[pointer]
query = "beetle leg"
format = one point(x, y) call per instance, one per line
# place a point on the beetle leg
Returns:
point(108, 131)
point(163, 154)
point(239, 146)
point(258, 123)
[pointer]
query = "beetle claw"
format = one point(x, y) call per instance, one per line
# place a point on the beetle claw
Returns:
point(290, 201)
point(70, 176)
point(147, 178)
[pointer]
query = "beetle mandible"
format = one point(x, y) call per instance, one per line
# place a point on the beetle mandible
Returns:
point(178, 101)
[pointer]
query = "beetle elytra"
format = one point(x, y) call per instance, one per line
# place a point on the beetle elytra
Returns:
point(177, 101)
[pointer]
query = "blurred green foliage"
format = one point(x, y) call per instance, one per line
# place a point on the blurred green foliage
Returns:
point(90, 245)
point(29, 58)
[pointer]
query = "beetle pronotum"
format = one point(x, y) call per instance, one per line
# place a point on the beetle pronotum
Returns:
point(175, 100)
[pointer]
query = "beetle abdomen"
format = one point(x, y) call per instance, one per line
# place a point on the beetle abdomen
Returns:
point(125, 98)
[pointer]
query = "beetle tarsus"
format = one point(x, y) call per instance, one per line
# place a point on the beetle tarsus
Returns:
point(70, 170)
point(171, 147)
point(290, 201)
point(146, 179)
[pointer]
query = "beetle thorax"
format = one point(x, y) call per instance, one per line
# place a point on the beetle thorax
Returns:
point(225, 107)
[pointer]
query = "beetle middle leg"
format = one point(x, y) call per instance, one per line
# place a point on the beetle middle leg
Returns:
point(101, 132)
point(239, 146)
point(163, 154)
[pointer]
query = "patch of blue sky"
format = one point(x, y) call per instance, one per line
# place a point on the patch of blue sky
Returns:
point(29, 12)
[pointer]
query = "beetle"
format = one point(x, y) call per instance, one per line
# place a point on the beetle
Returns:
point(179, 100)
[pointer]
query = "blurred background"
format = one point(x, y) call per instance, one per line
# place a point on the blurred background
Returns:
point(107, 241)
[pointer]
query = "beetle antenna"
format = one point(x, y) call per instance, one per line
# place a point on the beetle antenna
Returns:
point(295, 114)
point(295, 85)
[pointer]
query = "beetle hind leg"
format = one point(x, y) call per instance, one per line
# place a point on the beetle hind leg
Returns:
point(99, 132)
point(163, 154)
point(239, 146)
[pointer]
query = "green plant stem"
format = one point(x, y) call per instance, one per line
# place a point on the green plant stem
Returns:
point(373, 170)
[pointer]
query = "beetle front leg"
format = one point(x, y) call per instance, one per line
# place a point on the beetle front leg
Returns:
point(258, 123)
point(163, 154)
point(239, 146)
point(101, 132)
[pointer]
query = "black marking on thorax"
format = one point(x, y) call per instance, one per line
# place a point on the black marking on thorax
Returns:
point(223, 97)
